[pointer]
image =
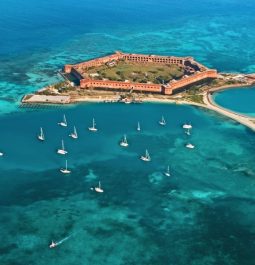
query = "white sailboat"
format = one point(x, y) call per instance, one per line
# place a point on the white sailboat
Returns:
point(190, 146)
point(98, 188)
point(187, 126)
point(187, 131)
point(64, 122)
point(74, 134)
point(62, 151)
point(167, 172)
point(138, 127)
point(1, 153)
point(41, 135)
point(65, 170)
point(93, 128)
point(146, 157)
point(124, 142)
point(162, 121)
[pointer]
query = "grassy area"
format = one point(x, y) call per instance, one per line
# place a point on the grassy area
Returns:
point(136, 72)
point(195, 98)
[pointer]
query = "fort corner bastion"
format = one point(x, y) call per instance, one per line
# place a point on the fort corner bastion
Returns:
point(193, 72)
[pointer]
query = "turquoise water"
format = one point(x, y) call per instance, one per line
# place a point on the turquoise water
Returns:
point(202, 214)
point(237, 99)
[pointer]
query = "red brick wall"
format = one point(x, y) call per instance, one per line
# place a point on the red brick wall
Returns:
point(189, 80)
point(87, 83)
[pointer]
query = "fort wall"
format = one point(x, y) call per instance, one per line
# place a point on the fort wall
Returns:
point(175, 85)
point(172, 87)
point(89, 83)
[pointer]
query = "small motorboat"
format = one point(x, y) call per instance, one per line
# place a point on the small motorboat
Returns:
point(187, 126)
point(190, 146)
point(53, 244)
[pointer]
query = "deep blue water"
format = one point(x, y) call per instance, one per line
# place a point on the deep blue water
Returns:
point(237, 99)
point(203, 214)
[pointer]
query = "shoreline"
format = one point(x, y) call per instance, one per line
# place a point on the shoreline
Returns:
point(208, 103)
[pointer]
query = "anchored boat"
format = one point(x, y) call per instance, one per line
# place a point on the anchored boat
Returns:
point(65, 170)
point(64, 122)
point(146, 157)
point(62, 150)
point(162, 121)
point(41, 136)
point(74, 134)
point(93, 128)
point(124, 142)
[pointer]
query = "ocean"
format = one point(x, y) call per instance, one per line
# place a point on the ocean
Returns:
point(202, 214)
point(237, 99)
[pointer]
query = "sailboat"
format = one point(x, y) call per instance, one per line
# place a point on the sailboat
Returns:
point(187, 126)
point(65, 170)
point(62, 151)
point(93, 128)
point(41, 135)
point(64, 122)
point(138, 127)
point(74, 134)
point(188, 131)
point(99, 189)
point(146, 157)
point(190, 146)
point(1, 154)
point(167, 172)
point(124, 142)
point(162, 121)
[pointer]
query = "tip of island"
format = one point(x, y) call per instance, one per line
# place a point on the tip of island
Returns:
point(134, 78)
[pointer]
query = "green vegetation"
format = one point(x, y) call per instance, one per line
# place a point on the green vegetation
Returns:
point(195, 98)
point(59, 85)
point(63, 87)
point(137, 72)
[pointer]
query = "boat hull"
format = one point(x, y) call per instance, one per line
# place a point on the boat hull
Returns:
point(65, 171)
point(97, 189)
point(73, 136)
point(92, 129)
point(146, 159)
point(62, 152)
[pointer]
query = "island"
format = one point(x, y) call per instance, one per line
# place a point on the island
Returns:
point(136, 78)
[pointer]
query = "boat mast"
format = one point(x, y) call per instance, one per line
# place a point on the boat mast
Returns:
point(65, 119)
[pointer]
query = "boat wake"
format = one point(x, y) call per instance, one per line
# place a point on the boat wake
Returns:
point(55, 244)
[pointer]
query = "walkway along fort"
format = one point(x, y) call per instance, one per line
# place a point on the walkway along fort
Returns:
point(194, 72)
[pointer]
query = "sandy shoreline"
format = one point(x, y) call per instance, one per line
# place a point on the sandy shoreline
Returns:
point(207, 99)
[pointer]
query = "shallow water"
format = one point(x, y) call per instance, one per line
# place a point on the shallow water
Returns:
point(237, 99)
point(202, 214)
